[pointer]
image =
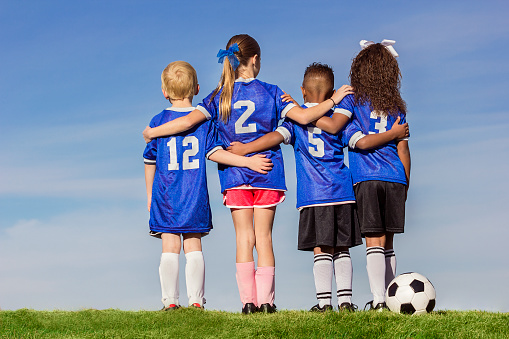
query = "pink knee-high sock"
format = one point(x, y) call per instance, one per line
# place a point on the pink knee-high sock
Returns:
point(246, 282)
point(265, 285)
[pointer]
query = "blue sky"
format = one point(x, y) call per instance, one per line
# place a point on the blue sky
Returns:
point(80, 80)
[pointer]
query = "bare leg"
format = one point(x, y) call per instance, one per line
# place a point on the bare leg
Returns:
point(244, 232)
point(171, 242)
point(263, 221)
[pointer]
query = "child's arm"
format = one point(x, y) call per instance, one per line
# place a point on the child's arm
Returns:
point(150, 171)
point(332, 124)
point(404, 156)
point(175, 126)
point(305, 116)
point(376, 140)
point(258, 162)
point(263, 143)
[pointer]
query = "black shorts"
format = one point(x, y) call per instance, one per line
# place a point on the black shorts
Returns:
point(380, 206)
point(333, 226)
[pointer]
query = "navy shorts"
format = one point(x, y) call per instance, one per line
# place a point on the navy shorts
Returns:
point(380, 206)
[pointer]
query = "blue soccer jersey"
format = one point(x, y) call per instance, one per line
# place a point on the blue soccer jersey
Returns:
point(180, 200)
point(257, 109)
point(381, 163)
point(322, 177)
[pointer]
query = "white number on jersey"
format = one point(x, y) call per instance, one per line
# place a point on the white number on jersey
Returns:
point(379, 126)
point(250, 128)
point(319, 151)
point(195, 147)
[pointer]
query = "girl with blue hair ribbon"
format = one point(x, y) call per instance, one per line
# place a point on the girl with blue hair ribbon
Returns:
point(243, 109)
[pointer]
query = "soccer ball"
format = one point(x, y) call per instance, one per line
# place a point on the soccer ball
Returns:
point(410, 293)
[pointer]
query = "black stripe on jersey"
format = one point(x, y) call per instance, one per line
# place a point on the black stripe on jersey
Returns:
point(149, 162)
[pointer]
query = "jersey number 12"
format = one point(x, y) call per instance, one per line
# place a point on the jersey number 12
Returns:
point(173, 165)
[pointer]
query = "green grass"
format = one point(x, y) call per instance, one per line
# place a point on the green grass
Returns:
point(193, 323)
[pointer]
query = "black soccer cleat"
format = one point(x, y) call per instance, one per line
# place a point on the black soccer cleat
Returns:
point(317, 308)
point(249, 308)
point(379, 307)
point(196, 305)
point(171, 307)
point(347, 307)
point(267, 308)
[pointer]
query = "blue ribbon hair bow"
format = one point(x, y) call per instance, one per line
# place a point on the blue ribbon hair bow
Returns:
point(230, 54)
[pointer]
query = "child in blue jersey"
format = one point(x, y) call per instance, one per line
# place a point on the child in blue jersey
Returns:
point(177, 188)
point(243, 109)
point(380, 164)
point(325, 195)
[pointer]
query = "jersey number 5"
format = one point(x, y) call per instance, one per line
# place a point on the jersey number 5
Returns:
point(173, 165)
point(319, 151)
point(239, 128)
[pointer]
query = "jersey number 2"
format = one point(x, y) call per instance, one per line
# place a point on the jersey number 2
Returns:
point(239, 128)
point(173, 165)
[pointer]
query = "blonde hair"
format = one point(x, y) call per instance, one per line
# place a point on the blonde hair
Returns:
point(248, 47)
point(179, 80)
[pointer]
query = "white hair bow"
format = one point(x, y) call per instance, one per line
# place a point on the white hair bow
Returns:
point(387, 43)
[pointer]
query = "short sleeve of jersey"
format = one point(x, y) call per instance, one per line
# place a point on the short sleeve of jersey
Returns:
point(150, 153)
point(212, 142)
point(352, 133)
point(287, 131)
point(208, 107)
point(282, 107)
point(346, 106)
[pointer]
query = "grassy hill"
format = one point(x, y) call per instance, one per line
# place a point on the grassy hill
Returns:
point(193, 323)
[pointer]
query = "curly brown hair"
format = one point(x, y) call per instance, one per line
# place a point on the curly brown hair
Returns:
point(376, 80)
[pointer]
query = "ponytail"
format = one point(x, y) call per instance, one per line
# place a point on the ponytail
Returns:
point(226, 83)
point(247, 48)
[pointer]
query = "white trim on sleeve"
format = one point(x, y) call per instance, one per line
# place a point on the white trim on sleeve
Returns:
point(287, 108)
point(204, 111)
point(149, 161)
point(285, 133)
point(356, 137)
point(212, 151)
point(343, 111)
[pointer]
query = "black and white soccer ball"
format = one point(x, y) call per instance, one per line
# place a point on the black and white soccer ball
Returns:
point(410, 293)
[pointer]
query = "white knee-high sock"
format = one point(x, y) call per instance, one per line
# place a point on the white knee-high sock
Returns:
point(344, 271)
point(390, 266)
point(195, 277)
point(322, 271)
point(375, 258)
point(169, 277)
